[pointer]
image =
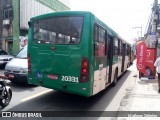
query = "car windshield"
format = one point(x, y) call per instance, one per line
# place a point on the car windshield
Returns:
point(23, 53)
point(2, 52)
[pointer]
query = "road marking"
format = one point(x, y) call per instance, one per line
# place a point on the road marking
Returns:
point(36, 95)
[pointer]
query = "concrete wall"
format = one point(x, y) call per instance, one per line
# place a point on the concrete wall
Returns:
point(23, 10)
point(31, 8)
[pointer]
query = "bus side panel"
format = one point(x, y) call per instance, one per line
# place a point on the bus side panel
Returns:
point(114, 67)
point(100, 78)
point(119, 65)
point(126, 63)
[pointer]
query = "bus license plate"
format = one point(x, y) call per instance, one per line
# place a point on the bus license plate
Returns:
point(51, 76)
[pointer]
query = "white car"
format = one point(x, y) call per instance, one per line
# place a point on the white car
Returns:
point(4, 57)
point(17, 68)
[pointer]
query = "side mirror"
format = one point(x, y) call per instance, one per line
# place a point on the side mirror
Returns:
point(29, 24)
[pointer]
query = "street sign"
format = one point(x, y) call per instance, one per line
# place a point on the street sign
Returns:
point(152, 43)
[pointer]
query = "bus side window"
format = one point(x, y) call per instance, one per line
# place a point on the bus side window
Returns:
point(115, 50)
point(129, 50)
point(120, 47)
point(99, 41)
point(106, 43)
point(96, 43)
point(108, 46)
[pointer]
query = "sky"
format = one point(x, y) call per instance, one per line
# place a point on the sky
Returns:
point(121, 15)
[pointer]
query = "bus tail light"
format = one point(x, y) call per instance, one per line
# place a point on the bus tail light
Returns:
point(84, 70)
point(29, 65)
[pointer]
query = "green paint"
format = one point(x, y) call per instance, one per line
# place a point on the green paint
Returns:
point(54, 4)
point(16, 31)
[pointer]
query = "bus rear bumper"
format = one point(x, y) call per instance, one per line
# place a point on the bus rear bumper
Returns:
point(73, 88)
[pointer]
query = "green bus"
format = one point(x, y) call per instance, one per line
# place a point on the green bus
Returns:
point(75, 52)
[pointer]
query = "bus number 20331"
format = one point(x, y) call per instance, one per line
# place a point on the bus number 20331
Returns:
point(70, 79)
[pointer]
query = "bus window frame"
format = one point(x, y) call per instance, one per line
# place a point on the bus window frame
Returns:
point(115, 45)
point(82, 29)
point(120, 47)
point(100, 28)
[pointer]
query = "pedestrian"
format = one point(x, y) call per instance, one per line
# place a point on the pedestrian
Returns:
point(157, 65)
point(149, 73)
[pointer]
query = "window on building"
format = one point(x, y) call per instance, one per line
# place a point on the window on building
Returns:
point(8, 14)
point(8, 9)
point(7, 4)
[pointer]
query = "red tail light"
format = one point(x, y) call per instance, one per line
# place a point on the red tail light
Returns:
point(29, 65)
point(84, 70)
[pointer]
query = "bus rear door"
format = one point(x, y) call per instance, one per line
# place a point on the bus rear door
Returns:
point(100, 59)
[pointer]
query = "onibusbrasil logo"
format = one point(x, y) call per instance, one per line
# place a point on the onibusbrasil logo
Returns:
point(21, 114)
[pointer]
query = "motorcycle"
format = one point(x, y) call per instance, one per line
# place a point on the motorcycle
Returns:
point(5, 92)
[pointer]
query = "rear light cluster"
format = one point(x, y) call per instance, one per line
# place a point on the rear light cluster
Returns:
point(29, 64)
point(84, 70)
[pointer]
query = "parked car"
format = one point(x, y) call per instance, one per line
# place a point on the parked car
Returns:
point(17, 68)
point(4, 57)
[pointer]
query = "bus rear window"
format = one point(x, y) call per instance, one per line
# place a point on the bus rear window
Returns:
point(58, 30)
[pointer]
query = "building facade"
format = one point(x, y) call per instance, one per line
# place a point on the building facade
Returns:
point(152, 32)
point(149, 49)
point(15, 17)
point(1, 20)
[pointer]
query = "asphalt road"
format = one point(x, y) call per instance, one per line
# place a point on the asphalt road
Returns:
point(36, 98)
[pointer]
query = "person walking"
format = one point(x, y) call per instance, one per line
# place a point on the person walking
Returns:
point(157, 65)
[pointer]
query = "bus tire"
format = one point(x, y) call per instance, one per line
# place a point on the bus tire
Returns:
point(115, 78)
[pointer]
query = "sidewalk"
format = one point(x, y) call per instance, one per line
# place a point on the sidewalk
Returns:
point(143, 96)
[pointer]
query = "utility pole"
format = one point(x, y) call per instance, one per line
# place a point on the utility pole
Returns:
point(138, 28)
point(154, 24)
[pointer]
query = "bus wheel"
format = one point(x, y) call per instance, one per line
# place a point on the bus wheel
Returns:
point(115, 78)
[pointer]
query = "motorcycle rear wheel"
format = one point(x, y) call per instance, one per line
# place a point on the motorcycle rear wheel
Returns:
point(6, 98)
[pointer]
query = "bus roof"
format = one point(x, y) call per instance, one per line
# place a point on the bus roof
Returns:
point(66, 13)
